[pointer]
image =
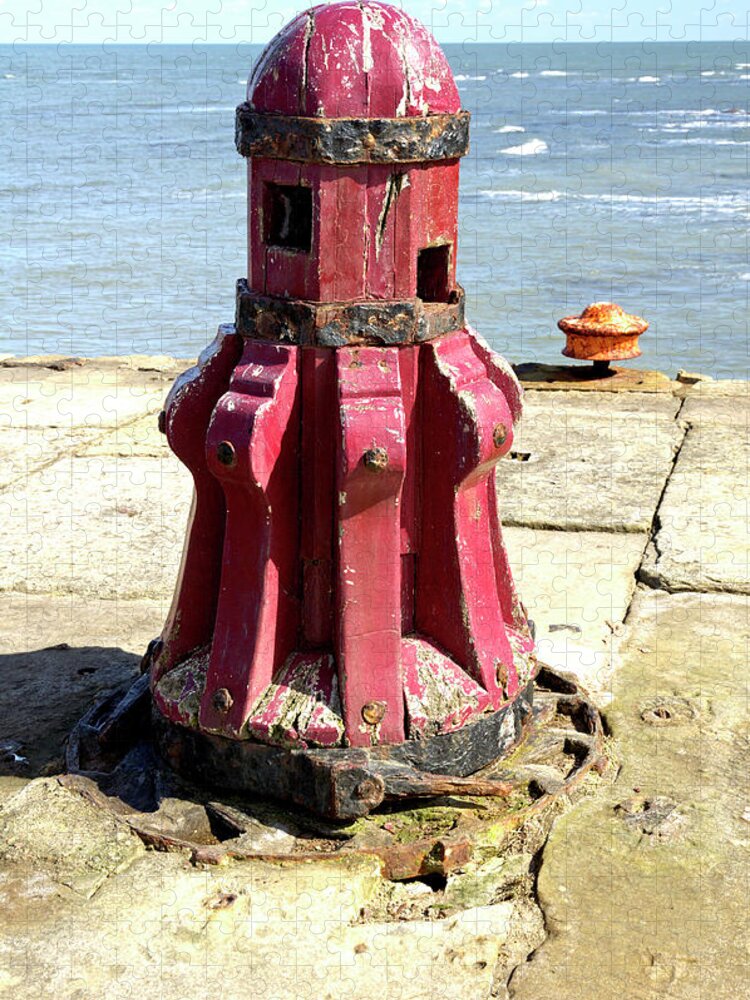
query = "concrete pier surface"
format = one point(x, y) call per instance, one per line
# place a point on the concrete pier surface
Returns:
point(625, 505)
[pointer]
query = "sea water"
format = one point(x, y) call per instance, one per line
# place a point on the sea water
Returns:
point(596, 172)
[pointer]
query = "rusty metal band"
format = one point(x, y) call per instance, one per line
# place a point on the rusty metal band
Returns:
point(342, 324)
point(351, 140)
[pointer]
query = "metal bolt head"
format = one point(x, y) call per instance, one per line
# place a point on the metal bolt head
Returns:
point(371, 790)
point(375, 459)
point(226, 454)
point(222, 700)
point(499, 435)
point(373, 712)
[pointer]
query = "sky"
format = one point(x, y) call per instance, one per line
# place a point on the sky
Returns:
point(255, 21)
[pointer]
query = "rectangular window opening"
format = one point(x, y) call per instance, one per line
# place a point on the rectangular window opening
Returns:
point(288, 217)
point(433, 269)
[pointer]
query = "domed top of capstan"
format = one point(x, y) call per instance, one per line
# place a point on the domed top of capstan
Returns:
point(353, 60)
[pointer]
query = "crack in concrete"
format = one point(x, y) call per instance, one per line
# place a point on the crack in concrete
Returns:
point(641, 574)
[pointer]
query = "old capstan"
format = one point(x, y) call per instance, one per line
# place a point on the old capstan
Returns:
point(345, 627)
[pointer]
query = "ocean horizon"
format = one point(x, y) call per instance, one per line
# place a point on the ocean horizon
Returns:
point(613, 171)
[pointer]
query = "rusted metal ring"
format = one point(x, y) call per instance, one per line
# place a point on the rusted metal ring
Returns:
point(344, 324)
point(351, 140)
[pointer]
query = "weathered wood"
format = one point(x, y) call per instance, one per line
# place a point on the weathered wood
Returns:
point(258, 611)
point(353, 60)
point(187, 412)
point(460, 595)
point(371, 460)
point(318, 469)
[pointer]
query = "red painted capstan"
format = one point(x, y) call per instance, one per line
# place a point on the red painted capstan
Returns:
point(344, 581)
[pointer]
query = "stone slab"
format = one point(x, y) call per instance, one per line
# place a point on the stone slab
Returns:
point(644, 888)
point(100, 526)
point(589, 462)
point(722, 407)
point(703, 537)
point(163, 929)
point(576, 587)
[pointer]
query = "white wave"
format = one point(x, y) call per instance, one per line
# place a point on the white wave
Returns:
point(742, 65)
point(744, 76)
point(461, 77)
point(696, 141)
point(745, 276)
point(553, 72)
point(581, 114)
point(724, 204)
point(648, 79)
point(708, 72)
point(515, 195)
point(520, 75)
point(728, 204)
point(510, 128)
point(530, 148)
point(9, 76)
point(727, 122)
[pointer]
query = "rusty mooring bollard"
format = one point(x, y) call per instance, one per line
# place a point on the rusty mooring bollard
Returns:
point(602, 333)
point(345, 627)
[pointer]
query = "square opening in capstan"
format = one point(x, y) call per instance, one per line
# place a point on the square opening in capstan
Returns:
point(287, 219)
point(433, 273)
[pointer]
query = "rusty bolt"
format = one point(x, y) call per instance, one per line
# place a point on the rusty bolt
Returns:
point(369, 141)
point(499, 435)
point(375, 459)
point(222, 700)
point(162, 421)
point(226, 454)
point(371, 790)
point(502, 675)
point(373, 712)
